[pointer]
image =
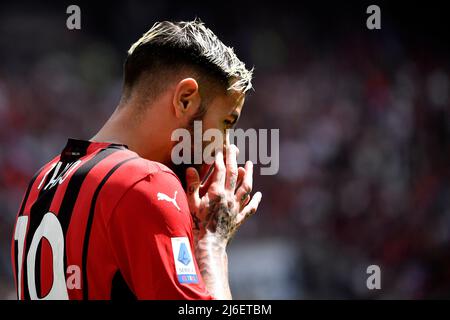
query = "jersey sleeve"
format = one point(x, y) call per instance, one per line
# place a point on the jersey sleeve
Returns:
point(150, 231)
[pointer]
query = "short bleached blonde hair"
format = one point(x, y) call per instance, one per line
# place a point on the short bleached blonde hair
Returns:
point(177, 44)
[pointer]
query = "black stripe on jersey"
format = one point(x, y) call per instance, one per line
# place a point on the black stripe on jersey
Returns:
point(37, 269)
point(16, 264)
point(27, 193)
point(22, 208)
point(37, 211)
point(120, 289)
point(89, 225)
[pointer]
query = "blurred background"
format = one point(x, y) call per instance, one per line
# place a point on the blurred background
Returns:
point(364, 132)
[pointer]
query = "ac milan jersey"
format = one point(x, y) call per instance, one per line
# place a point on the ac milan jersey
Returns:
point(99, 222)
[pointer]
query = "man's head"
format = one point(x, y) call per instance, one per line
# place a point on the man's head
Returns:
point(169, 48)
point(174, 74)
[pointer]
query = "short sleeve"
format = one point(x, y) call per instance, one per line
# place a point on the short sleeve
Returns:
point(150, 231)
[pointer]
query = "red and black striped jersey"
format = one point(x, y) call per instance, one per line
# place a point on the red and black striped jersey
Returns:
point(100, 222)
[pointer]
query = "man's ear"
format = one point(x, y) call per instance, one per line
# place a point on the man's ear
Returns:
point(186, 99)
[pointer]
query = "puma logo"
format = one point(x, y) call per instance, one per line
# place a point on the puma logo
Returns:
point(165, 197)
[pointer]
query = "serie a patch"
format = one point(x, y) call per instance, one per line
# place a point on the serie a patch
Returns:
point(184, 261)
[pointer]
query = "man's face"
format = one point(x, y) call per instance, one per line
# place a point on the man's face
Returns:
point(222, 113)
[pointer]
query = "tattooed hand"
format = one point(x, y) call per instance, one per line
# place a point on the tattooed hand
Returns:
point(226, 203)
point(217, 213)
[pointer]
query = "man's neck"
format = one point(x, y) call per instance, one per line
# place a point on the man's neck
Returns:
point(122, 128)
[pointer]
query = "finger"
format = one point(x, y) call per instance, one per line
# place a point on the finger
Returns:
point(205, 172)
point(218, 175)
point(241, 173)
point(244, 190)
point(193, 186)
point(231, 167)
point(205, 187)
point(250, 209)
point(244, 200)
point(207, 180)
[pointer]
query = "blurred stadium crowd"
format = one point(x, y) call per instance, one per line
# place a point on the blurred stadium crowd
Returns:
point(364, 139)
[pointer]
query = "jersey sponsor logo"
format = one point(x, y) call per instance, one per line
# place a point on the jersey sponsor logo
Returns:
point(184, 262)
point(183, 255)
point(165, 197)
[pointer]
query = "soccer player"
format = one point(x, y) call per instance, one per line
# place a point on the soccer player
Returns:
point(109, 218)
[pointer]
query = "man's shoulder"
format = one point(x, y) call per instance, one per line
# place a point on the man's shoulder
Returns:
point(134, 170)
point(147, 191)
